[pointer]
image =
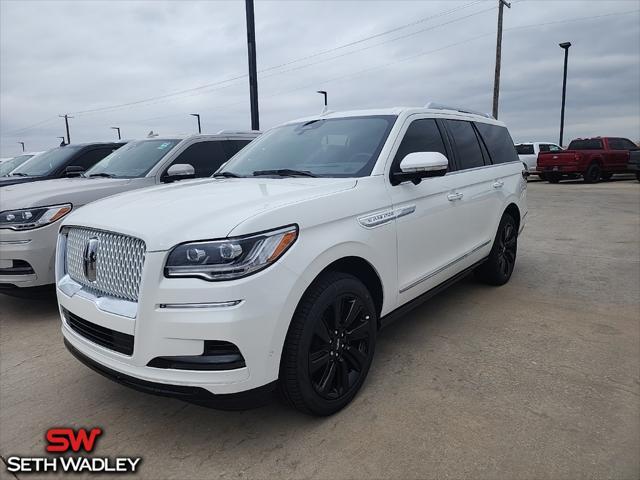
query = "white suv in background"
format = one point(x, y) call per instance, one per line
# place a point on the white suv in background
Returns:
point(282, 268)
point(32, 212)
point(528, 154)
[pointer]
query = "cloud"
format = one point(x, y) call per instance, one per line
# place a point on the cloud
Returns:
point(58, 57)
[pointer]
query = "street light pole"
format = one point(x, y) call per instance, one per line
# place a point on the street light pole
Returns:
point(118, 129)
point(22, 143)
point(496, 78)
point(253, 74)
point(66, 123)
point(322, 92)
point(565, 46)
point(197, 115)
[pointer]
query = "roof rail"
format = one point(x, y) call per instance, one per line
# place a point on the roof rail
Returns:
point(236, 132)
point(439, 106)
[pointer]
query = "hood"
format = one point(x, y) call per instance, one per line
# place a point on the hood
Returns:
point(77, 191)
point(6, 181)
point(200, 209)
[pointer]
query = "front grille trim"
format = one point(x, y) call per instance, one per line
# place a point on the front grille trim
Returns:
point(103, 336)
point(119, 265)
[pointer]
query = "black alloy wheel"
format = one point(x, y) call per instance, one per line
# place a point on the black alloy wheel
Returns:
point(499, 265)
point(339, 347)
point(592, 175)
point(329, 346)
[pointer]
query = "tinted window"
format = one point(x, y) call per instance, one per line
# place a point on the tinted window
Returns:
point(88, 159)
point(544, 147)
point(135, 159)
point(204, 157)
point(525, 149)
point(587, 144)
point(468, 150)
point(421, 136)
point(326, 147)
point(234, 146)
point(48, 162)
point(622, 144)
point(554, 148)
point(498, 142)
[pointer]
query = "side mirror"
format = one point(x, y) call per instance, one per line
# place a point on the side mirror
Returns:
point(73, 171)
point(179, 171)
point(418, 165)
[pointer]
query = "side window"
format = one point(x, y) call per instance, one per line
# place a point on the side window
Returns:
point(469, 153)
point(554, 148)
point(544, 147)
point(204, 157)
point(89, 158)
point(421, 136)
point(499, 143)
point(622, 144)
point(234, 146)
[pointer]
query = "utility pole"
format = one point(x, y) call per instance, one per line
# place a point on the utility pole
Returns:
point(197, 115)
point(22, 143)
point(253, 74)
point(496, 80)
point(66, 123)
point(565, 46)
point(118, 129)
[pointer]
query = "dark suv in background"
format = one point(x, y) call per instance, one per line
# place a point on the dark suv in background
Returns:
point(66, 161)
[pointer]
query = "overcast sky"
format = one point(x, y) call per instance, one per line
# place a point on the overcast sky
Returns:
point(73, 57)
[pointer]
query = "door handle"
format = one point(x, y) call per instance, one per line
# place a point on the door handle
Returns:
point(452, 197)
point(498, 184)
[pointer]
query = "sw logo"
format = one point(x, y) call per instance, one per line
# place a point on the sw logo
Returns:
point(66, 440)
point(63, 439)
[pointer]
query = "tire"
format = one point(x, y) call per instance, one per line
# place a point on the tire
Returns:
point(552, 177)
point(593, 173)
point(606, 176)
point(542, 176)
point(498, 267)
point(329, 346)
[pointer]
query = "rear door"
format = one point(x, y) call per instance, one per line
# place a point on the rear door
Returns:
point(618, 153)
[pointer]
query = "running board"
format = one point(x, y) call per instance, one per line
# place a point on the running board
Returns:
point(416, 302)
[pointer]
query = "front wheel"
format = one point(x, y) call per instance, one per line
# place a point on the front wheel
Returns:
point(329, 346)
point(592, 175)
point(498, 267)
point(552, 177)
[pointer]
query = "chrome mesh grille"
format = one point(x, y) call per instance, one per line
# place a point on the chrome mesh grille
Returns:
point(119, 262)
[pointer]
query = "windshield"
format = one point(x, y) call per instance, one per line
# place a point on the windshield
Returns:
point(46, 163)
point(588, 144)
point(333, 147)
point(6, 167)
point(524, 149)
point(135, 159)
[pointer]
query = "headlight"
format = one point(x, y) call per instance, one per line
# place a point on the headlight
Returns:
point(30, 218)
point(230, 258)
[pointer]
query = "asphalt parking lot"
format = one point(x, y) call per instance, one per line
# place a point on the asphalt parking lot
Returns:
point(536, 379)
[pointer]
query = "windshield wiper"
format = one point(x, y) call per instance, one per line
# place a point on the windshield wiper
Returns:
point(284, 172)
point(18, 174)
point(226, 175)
point(102, 174)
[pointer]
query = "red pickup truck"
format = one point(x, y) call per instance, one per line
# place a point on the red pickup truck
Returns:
point(591, 158)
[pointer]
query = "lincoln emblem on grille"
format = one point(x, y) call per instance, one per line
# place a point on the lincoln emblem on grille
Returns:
point(89, 259)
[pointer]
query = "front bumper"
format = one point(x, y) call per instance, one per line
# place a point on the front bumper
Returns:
point(35, 247)
point(199, 311)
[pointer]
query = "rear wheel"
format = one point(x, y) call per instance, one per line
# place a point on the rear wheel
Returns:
point(542, 176)
point(553, 177)
point(592, 175)
point(329, 345)
point(498, 267)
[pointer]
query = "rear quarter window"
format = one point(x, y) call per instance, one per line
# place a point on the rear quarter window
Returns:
point(498, 142)
point(587, 144)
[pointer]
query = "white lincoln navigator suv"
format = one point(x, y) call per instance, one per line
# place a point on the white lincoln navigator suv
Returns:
point(281, 269)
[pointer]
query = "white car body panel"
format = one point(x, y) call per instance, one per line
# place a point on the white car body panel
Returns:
point(414, 236)
point(531, 160)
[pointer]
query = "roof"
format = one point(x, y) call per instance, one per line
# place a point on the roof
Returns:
point(398, 111)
